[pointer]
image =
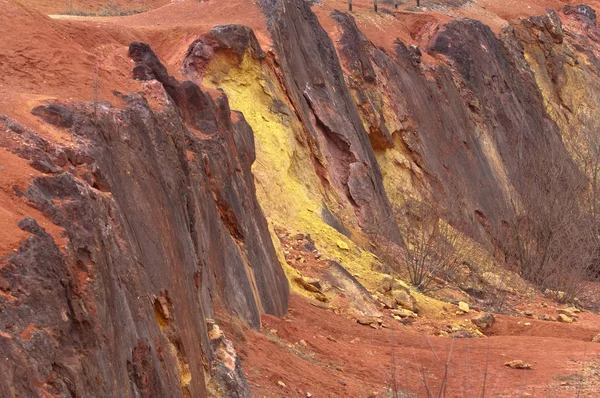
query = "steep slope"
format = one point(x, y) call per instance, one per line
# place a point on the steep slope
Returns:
point(162, 224)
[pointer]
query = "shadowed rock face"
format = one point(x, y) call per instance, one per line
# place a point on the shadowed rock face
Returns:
point(472, 126)
point(159, 208)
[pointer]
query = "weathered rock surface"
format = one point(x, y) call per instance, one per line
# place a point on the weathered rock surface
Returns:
point(158, 205)
point(315, 84)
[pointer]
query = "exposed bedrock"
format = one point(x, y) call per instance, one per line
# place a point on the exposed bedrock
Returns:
point(315, 83)
point(158, 204)
point(467, 130)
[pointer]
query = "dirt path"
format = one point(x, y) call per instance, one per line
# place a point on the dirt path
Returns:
point(314, 350)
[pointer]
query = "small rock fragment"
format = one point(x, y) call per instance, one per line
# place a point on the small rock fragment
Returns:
point(518, 364)
point(464, 307)
point(405, 300)
point(368, 320)
point(571, 312)
point(342, 245)
point(281, 384)
point(596, 339)
point(484, 321)
point(404, 313)
point(564, 319)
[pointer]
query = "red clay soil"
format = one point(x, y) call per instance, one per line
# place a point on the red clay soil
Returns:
point(16, 172)
point(328, 355)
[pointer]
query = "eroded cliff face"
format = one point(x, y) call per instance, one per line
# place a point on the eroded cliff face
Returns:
point(157, 202)
point(169, 204)
point(356, 138)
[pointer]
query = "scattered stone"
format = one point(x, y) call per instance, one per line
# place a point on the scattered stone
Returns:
point(315, 282)
point(368, 320)
point(387, 302)
point(518, 364)
point(528, 313)
point(404, 313)
point(596, 339)
point(342, 245)
point(331, 339)
point(320, 304)
point(527, 323)
point(405, 300)
point(342, 382)
point(461, 334)
point(308, 395)
point(564, 318)
point(303, 343)
point(321, 297)
point(556, 295)
point(464, 307)
point(404, 321)
point(281, 384)
point(484, 321)
point(571, 312)
point(386, 284)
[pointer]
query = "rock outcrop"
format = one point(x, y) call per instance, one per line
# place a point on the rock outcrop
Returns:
point(158, 205)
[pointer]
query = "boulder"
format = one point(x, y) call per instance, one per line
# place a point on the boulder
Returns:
point(388, 302)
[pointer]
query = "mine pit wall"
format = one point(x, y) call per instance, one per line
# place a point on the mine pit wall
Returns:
point(458, 135)
point(158, 204)
point(162, 202)
point(365, 129)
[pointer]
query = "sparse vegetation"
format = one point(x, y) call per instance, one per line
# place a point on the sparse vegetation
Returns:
point(433, 248)
point(111, 9)
point(551, 236)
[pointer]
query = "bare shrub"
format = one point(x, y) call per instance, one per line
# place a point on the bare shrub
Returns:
point(433, 249)
point(114, 9)
point(551, 237)
point(110, 9)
